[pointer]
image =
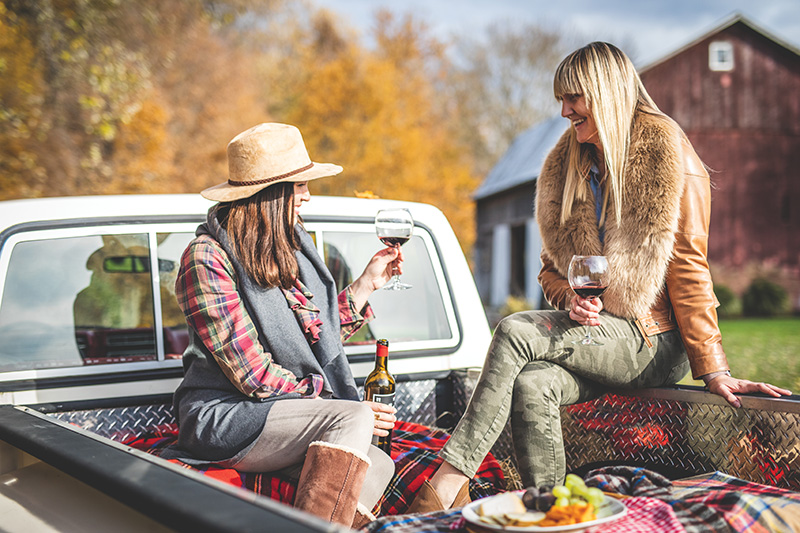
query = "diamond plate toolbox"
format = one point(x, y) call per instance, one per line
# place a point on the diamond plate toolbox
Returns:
point(683, 431)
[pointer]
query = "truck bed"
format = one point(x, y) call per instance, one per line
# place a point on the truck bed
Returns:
point(155, 494)
point(679, 432)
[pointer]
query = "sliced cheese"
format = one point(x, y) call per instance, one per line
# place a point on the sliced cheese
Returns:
point(500, 504)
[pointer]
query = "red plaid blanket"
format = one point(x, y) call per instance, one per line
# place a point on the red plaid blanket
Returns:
point(414, 449)
point(710, 503)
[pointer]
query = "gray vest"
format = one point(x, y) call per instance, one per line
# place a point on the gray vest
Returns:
point(217, 422)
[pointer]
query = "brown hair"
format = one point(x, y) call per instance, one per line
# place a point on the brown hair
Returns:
point(262, 235)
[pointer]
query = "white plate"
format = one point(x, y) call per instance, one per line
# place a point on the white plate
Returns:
point(608, 511)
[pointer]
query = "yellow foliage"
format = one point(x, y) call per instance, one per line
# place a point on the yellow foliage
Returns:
point(515, 304)
point(142, 157)
point(155, 106)
point(366, 194)
point(376, 114)
point(21, 124)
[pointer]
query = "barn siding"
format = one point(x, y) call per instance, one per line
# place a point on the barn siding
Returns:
point(745, 125)
point(512, 207)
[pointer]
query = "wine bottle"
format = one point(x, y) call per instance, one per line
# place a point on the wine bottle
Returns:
point(379, 388)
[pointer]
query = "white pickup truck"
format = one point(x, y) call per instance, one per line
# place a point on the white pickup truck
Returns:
point(91, 340)
point(91, 334)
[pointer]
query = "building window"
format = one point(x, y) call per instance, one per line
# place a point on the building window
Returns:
point(720, 56)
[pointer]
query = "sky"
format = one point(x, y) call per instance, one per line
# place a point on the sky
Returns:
point(654, 28)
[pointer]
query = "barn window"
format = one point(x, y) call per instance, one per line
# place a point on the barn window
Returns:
point(720, 56)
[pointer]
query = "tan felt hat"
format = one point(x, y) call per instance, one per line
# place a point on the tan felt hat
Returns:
point(264, 155)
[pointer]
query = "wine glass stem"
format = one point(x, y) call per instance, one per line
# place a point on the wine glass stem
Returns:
point(588, 338)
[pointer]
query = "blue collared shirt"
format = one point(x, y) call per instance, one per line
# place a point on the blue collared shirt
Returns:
point(594, 183)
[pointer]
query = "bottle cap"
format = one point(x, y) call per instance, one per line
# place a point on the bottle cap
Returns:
point(382, 348)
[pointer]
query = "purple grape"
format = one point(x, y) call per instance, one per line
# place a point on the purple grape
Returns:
point(545, 501)
point(529, 497)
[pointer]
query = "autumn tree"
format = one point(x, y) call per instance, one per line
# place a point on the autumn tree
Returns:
point(22, 125)
point(376, 113)
point(134, 96)
point(105, 96)
point(501, 84)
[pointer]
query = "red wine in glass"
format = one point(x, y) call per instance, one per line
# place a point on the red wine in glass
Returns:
point(394, 241)
point(588, 277)
point(589, 291)
point(394, 227)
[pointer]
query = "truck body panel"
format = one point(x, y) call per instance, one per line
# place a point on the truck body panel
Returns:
point(90, 347)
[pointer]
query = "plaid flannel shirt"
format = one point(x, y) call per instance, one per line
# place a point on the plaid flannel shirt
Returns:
point(207, 294)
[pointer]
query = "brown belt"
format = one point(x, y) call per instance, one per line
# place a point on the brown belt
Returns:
point(655, 323)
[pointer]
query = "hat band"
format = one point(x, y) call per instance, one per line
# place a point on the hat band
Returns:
point(273, 178)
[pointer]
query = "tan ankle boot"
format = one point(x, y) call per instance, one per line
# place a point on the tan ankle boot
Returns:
point(330, 482)
point(428, 501)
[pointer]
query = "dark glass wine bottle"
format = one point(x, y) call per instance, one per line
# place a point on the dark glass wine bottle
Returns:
point(379, 388)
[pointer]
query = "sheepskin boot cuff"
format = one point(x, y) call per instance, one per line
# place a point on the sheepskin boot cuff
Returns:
point(363, 516)
point(330, 482)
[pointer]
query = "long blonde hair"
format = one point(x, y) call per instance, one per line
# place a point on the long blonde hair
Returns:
point(613, 91)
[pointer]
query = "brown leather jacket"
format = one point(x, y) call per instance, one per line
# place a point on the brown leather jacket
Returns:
point(688, 302)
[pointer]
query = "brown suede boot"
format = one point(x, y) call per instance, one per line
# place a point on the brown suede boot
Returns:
point(427, 499)
point(363, 516)
point(330, 482)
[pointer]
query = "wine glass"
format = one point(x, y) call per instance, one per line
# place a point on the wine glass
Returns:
point(394, 227)
point(588, 277)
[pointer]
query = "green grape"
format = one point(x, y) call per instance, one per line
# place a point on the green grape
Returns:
point(572, 481)
point(560, 491)
point(594, 496)
point(561, 502)
point(579, 491)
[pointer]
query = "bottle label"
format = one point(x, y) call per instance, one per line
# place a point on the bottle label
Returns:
point(387, 399)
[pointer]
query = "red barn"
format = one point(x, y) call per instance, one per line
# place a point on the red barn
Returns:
point(736, 93)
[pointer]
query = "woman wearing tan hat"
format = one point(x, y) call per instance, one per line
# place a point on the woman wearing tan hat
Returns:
point(267, 329)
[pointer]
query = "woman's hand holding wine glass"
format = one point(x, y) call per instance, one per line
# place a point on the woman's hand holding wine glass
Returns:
point(588, 278)
point(394, 227)
point(586, 311)
point(382, 267)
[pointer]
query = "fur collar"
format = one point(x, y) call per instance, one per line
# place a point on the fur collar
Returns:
point(640, 249)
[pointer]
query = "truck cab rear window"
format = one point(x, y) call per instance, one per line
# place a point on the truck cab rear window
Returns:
point(402, 316)
point(89, 300)
point(105, 295)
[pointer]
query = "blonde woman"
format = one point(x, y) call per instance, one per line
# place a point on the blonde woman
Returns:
point(623, 182)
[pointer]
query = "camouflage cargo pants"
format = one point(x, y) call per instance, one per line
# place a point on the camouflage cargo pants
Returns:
point(533, 367)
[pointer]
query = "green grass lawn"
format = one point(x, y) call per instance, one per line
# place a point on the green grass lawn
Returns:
point(762, 349)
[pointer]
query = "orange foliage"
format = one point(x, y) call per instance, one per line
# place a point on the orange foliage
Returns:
point(21, 123)
point(176, 82)
point(376, 114)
